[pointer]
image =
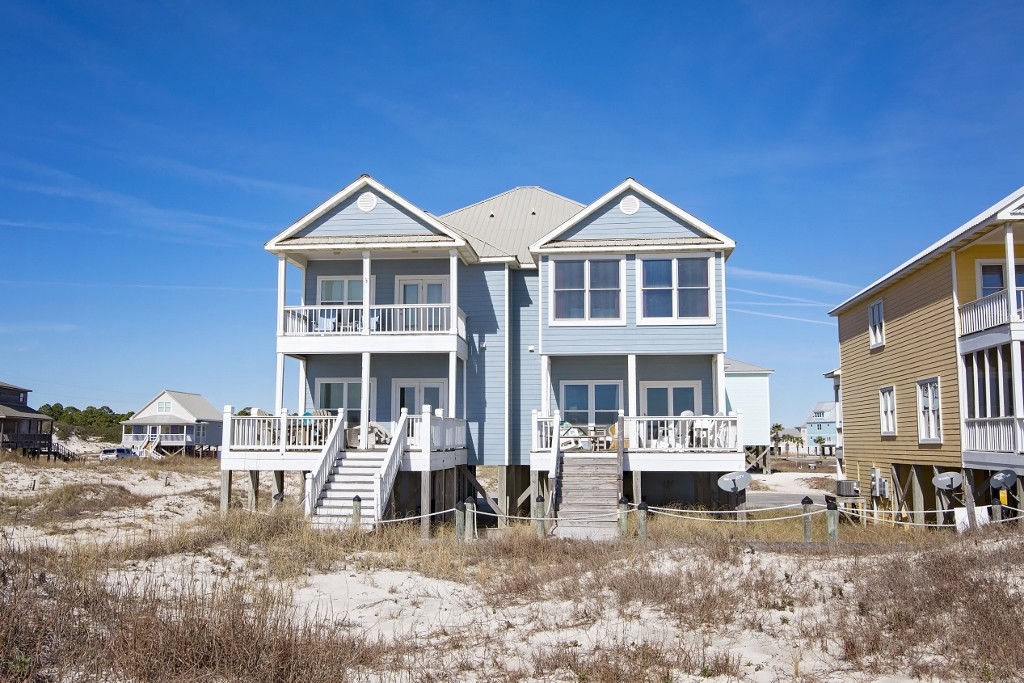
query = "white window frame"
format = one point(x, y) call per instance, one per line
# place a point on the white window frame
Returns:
point(590, 384)
point(881, 410)
point(991, 262)
point(419, 382)
point(347, 380)
point(199, 435)
point(319, 288)
point(586, 319)
point(929, 428)
point(688, 384)
point(711, 317)
point(423, 281)
point(163, 407)
point(876, 337)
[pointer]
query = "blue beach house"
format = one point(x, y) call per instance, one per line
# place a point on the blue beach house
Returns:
point(570, 346)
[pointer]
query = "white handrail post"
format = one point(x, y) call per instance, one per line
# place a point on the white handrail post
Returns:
point(225, 437)
point(283, 437)
point(453, 293)
point(426, 433)
point(739, 431)
point(366, 293)
point(534, 431)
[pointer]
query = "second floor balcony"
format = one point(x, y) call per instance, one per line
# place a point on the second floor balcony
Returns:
point(990, 312)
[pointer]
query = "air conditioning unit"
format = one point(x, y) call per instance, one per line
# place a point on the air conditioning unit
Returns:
point(847, 487)
point(879, 484)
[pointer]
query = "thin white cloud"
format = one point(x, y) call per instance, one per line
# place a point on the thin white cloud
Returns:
point(217, 177)
point(37, 328)
point(782, 317)
point(790, 279)
point(791, 304)
point(798, 299)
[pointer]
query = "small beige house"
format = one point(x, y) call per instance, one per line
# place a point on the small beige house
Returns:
point(174, 423)
point(932, 377)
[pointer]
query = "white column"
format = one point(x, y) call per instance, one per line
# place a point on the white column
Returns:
point(279, 386)
point(453, 297)
point(364, 399)
point(453, 376)
point(545, 385)
point(1010, 272)
point(1018, 394)
point(719, 365)
point(302, 386)
point(465, 383)
point(282, 278)
point(631, 385)
point(366, 302)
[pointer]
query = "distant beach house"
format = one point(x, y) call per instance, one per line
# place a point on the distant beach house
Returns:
point(21, 427)
point(565, 344)
point(837, 394)
point(931, 362)
point(174, 423)
point(821, 424)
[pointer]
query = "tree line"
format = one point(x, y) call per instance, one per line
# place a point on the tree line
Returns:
point(100, 422)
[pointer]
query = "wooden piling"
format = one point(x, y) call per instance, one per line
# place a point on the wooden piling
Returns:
point(807, 503)
point(642, 521)
point(623, 517)
point(538, 516)
point(460, 522)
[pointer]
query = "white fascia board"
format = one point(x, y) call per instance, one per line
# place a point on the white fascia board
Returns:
point(361, 182)
point(982, 220)
point(631, 249)
point(652, 197)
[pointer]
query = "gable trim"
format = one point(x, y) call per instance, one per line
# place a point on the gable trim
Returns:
point(652, 197)
point(364, 181)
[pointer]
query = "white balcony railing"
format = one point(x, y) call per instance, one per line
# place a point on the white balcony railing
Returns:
point(988, 312)
point(694, 434)
point(392, 319)
point(280, 433)
point(992, 434)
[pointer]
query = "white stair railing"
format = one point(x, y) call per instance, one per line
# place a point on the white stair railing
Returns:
point(384, 478)
point(316, 480)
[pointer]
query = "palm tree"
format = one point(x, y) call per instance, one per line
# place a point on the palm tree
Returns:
point(777, 435)
point(820, 441)
point(788, 439)
point(799, 441)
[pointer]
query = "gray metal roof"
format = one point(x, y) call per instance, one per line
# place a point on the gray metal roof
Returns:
point(5, 385)
point(733, 365)
point(507, 224)
point(827, 407)
point(10, 411)
point(194, 404)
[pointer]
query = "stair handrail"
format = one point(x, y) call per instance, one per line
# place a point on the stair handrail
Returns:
point(316, 480)
point(556, 465)
point(384, 478)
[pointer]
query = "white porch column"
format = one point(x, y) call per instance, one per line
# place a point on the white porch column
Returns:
point(302, 386)
point(1011, 272)
point(364, 400)
point(1018, 394)
point(719, 365)
point(453, 376)
point(279, 386)
point(465, 383)
point(453, 297)
point(366, 307)
point(631, 385)
point(282, 278)
point(545, 385)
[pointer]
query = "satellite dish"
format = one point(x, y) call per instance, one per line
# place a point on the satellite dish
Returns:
point(948, 481)
point(1004, 479)
point(734, 482)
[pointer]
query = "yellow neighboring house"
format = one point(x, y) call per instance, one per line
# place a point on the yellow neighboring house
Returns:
point(932, 368)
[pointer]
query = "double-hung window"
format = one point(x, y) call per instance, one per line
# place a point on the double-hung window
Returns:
point(163, 407)
point(876, 326)
point(929, 419)
point(887, 410)
point(343, 396)
point(343, 297)
point(676, 289)
point(587, 290)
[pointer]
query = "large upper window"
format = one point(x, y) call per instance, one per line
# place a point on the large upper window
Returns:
point(992, 278)
point(675, 289)
point(929, 420)
point(163, 407)
point(587, 289)
point(876, 326)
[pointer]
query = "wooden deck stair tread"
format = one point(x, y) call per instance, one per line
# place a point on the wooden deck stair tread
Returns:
point(587, 497)
point(352, 475)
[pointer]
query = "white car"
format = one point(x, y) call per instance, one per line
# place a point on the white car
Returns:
point(118, 453)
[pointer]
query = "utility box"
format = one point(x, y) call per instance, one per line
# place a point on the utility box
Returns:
point(879, 484)
point(848, 487)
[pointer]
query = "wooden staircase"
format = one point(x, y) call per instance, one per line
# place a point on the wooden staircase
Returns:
point(352, 475)
point(587, 495)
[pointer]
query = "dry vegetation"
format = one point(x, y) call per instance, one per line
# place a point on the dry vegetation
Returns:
point(228, 598)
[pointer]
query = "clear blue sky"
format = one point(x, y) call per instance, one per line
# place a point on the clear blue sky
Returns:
point(147, 152)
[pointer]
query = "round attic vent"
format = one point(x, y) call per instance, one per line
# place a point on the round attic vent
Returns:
point(629, 205)
point(367, 202)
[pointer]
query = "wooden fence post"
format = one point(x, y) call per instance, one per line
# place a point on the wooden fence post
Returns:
point(538, 516)
point(623, 517)
point(470, 518)
point(832, 521)
point(807, 502)
point(460, 521)
point(642, 523)
point(357, 510)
